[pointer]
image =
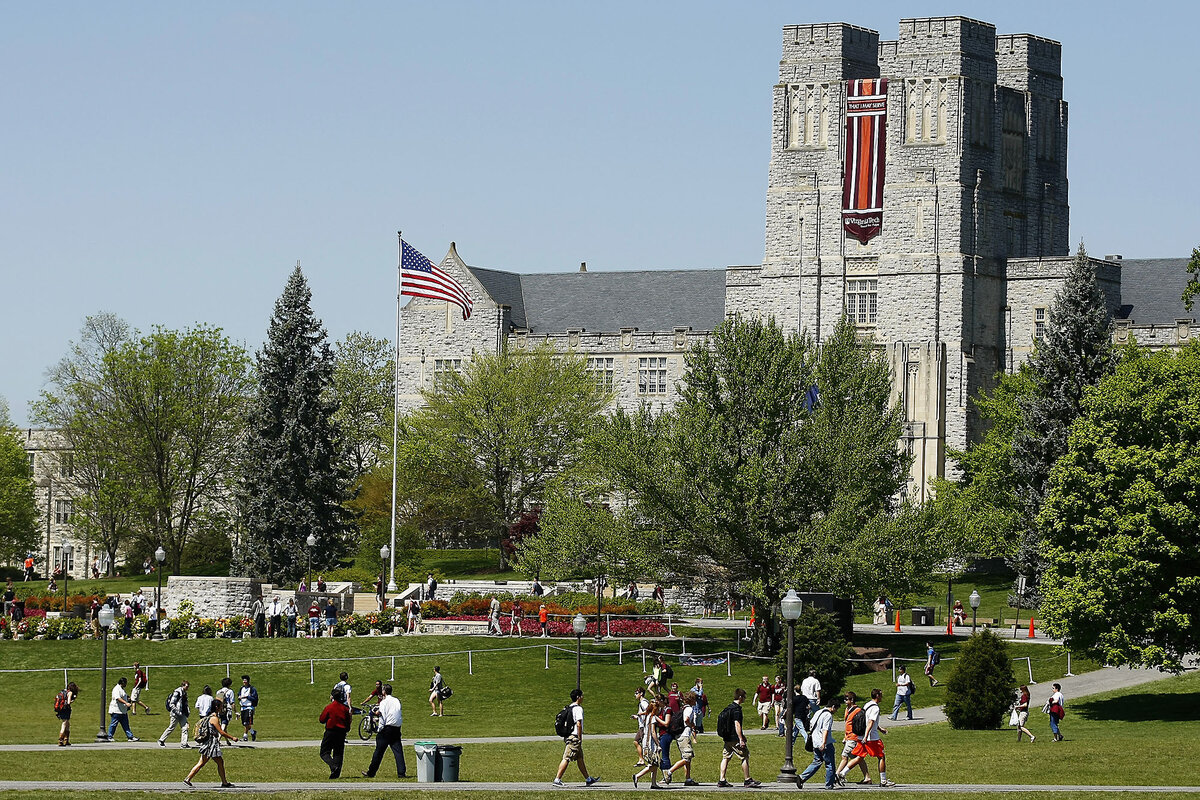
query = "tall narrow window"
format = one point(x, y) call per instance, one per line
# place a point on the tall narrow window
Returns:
point(652, 375)
point(1039, 323)
point(62, 511)
point(443, 368)
point(925, 110)
point(66, 465)
point(808, 115)
point(602, 372)
point(862, 300)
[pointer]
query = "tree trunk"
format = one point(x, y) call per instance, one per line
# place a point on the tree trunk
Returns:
point(764, 641)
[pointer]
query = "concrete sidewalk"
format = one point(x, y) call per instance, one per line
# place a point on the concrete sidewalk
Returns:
point(541, 786)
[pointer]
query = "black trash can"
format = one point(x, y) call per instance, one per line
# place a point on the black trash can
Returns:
point(448, 758)
point(923, 615)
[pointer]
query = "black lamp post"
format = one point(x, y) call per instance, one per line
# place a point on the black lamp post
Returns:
point(579, 625)
point(790, 606)
point(160, 556)
point(105, 617)
point(974, 609)
point(384, 552)
point(311, 541)
point(67, 550)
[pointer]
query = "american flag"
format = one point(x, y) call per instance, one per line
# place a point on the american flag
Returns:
point(420, 277)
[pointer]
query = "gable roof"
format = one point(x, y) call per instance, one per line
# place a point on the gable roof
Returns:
point(1151, 290)
point(649, 300)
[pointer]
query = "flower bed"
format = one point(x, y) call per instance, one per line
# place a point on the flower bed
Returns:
point(623, 628)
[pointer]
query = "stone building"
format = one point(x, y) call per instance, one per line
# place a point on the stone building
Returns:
point(54, 474)
point(954, 289)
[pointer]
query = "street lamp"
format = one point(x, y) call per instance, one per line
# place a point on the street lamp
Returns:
point(790, 606)
point(579, 625)
point(384, 552)
point(949, 605)
point(311, 541)
point(974, 608)
point(106, 620)
point(67, 550)
point(160, 556)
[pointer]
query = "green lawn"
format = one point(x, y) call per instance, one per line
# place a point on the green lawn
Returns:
point(1110, 739)
point(475, 565)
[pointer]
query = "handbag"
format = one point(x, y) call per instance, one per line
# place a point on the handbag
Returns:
point(445, 692)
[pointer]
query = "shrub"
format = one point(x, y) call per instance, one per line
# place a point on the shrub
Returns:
point(70, 628)
point(435, 608)
point(821, 648)
point(980, 689)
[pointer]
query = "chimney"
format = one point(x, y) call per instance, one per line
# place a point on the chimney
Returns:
point(1115, 257)
point(583, 266)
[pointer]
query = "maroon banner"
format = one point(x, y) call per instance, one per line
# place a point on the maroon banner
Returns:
point(866, 145)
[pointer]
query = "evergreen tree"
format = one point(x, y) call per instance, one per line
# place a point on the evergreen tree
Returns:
point(982, 686)
point(294, 478)
point(1075, 355)
point(819, 648)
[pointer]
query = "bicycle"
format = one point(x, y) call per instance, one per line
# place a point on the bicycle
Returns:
point(368, 725)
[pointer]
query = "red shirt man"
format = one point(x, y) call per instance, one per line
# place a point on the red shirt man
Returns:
point(336, 717)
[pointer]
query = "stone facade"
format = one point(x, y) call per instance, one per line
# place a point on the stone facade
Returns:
point(212, 598)
point(54, 473)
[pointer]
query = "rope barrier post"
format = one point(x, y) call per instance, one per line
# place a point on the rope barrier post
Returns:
point(608, 624)
point(670, 633)
point(470, 664)
point(547, 656)
point(312, 677)
point(620, 652)
point(643, 661)
point(1069, 673)
point(683, 649)
point(893, 669)
point(1029, 661)
point(65, 681)
point(728, 664)
point(226, 672)
point(393, 668)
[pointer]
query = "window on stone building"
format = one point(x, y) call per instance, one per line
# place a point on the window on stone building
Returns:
point(1039, 323)
point(66, 465)
point(652, 375)
point(443, 368)
point(981, 114)
point(925, 109)
point(1013, 152)
point(69, 565)
point(32, 460)
point(62, 511)
point(602, 372)
point(808, 115)
point(1048, 124)
point(862, 300)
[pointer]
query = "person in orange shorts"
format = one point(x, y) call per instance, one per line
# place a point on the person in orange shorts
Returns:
point(870, 743)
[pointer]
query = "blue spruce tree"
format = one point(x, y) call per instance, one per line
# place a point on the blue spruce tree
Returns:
point(294, 479)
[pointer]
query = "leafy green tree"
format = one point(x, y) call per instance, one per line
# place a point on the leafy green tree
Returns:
point(982, 688)
point(1076, 354)
point(363, 377)
point(489, 440)
point(1122, 521)
point(581, 538)
point(745, 480)
point(820, 648)
point(1193, 287)
point(79, 403)
point(18, 505)
point(295, 479)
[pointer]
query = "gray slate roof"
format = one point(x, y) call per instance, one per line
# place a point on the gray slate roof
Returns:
point(1151, 288)
point(649, 300)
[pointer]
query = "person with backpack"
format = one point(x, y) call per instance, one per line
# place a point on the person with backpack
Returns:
point(648, 746)
point(209, 732)
point(870, 743)
point(177, 707)
point(62, 710)
point(228, 701)
point(686, 738)
point(820, 741)
point(932, 659)
point(856, 726)
point(733, 736)
point(904, 693)
point(569, 725)
point(343, 687)
point(670, 727)
point(248, 704)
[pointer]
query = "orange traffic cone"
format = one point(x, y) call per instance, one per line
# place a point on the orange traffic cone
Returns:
point(896, 614)
point(1030, 626)
point(950, 625)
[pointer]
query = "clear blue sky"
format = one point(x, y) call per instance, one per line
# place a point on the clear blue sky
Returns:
point(169, 162)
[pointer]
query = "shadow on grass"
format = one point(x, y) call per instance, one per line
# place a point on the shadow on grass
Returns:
point(1142, 707)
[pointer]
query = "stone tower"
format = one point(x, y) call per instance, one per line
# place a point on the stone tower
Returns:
point(975, 178)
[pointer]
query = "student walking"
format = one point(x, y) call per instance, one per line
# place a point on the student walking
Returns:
point(204, 702)
point(518, 616)
point(62, 710)
point(177, 707)
point(391, 721)
point(248, 704)
point(640, 716)
point(1056, 708)
point(686, 741)
point(810, 687)
point(904, 691)
point(932, 659)
point(330, 618)
point(650, 744)
point(1022, 711)
point(573, 742)
point(336, 718)
point(733, 736)
point(139, 685)
point(209, 732)
point(314, 620)
point(821, 736)
point(343, 686)
point(764, 695)
point(494, 618)
point(228, 701)
point(871, 744)
point(436, 686)
point(850, 740)
point(118, 711)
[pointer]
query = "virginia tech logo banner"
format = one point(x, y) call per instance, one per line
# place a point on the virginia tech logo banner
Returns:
point(866, 143)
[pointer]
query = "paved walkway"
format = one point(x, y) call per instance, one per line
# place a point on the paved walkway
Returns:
point(602, 786)
point(1096, 682)
point(939, 631)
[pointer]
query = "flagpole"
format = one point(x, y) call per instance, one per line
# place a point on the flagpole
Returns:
point(395, 408)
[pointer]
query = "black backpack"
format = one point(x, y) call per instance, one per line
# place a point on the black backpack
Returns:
point(675, 726)
point(725, 723)
point(858, 722)
point(564, 723)
point(937, 658)
point(667, 672)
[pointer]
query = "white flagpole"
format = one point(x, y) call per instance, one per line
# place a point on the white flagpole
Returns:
point(395, 409)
